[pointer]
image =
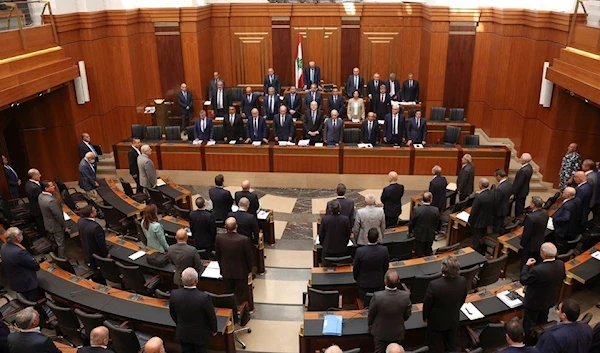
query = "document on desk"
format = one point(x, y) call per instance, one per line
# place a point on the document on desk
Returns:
point(318, 242)
point(262, 215)
point(451, 186)
point(232, 142)
point(160, 182)
point(219, 118)
point(211, 143)
point(256, 143)
point(212, 271)
point(66, 216)
point(550, 224)
point(303, 142)
point(332, 325)
point(509, 299)
point(137, 255)
point(206, 103)
point(381, 122)
point(197, 142)
point(596, 255)
point(463, 216)
point(471, 312)
point(319, 144)
point(418, 145)
point(355, 120)
point(286, 143)
point(408, 103)
point(365, 145)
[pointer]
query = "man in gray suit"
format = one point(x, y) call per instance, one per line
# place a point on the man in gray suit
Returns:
point(54, 221)
point(183, 255)
point(367, 218)
point(465, 183)
point(334, 129)
point(146, 167)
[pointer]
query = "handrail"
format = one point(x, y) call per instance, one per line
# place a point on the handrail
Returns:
point(19, 16)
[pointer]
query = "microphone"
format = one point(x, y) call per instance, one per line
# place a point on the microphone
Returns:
point(359, 312)
point(73, 293)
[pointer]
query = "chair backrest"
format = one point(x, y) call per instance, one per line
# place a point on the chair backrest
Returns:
point(133, 278)
point(153, 133)
point(452, 134)
point(320, 300)
point(89, 321)
point(156, 197)
point(68, 200)
point(173, 133)
point(236, 94)
point(124, 340)
point(352, 135)
point(62, 263)
point(424, 349)
point(337, 261)
point(218, 133)
point(162, 295)
point(571, 244)
point(566, 256)
point(67, 321)
point(368, 298)
point(189, 130)
point(204, 255)
point(126, 187)
point(419, 286)
point(491, 270)
point(469, 274)
point(471, 140)
point(492, 336)
point(138, 131)
point(401, 250)
point(226, 301)
point(447, 248)
point(182, 213)
point(437, 114)
point(112, 217)
point(108, 269)
point(586, 318)
point(140, 232)
point(170, 239)
point(457, 114)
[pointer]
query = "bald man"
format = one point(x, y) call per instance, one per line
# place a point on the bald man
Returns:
point(312, 75)
point(183, 255)
point(271, 80)
point(394, 348)
point(521, 184)
point(87, 175)
point(33, 189)
point(154, 345)
point(584, 192)
point(86, 146)
point(252, 197)
point(247, 222)
point(482, 214)
point(391, 197)
point(98, 341)
point(566, 219)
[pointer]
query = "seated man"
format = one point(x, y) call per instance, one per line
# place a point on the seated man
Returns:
point(514, 338)
point(569, 336)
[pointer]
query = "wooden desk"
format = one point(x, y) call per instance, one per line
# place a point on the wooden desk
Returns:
point(378, 160)
point(182, 196)
point(486, 159)
point(296, 159)
point(112, 195)
point(72, 222)
point(180, 155)
point(122, 148)
point(457, 228)
point(244, 158)
point(65, 348)
point(444, 156)
point(582, 269)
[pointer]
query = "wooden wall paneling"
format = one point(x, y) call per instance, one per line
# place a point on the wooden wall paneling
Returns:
point(36, 38)
point(351, 47)
point(190, 52)
point(437, 69)
point(424, 65)
point(221, 44)
point(144, 65)
point(409, 60)
point(282, 52)
point(381, 52)
point(170, 61)
point(459, 65)
point(59, 161)
point(205, 48)
point(252, 50)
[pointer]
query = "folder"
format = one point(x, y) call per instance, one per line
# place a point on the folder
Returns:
point(332, 325)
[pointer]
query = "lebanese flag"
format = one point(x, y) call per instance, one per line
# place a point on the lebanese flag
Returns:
point(298, 64)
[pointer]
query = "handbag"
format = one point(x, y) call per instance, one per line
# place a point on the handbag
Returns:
point(157, 259)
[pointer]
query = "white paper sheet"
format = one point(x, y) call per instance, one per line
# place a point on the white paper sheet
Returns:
point(262, 214)
point(407, 103)
point(286, 143)
point(303, 142)
point(381, 122)
point(511, 303)
point(197, 142)
point(214, 264)
point(319, 144)
point(211, 143)
point(206, 103)
point(232, 142)
point(451, 186)
point(365, 145)
point(137, 255)
point(212, 273)
point(66, 216)
point(219, 118)
point(160, 182)
point(596, 255)
point(234, 208)
point(471, 312)
point(418, 145)
point(256, 143)
point(355, 120)
point(550, 224)
point(350, 243)
point(463, 216)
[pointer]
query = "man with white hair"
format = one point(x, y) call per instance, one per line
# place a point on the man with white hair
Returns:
point(154, 345)
point(334, 129)
point(29, 339)
point(33, 189)
point(251, 196)
point(313, 123)
point(284, 129)
point(146, 168)
point(542, 281)
point(193, 313)
point(87, 175)
point(367, 218)
point(521, 184)
point(465, 181)
point(391, 197)
point(394, 128)
point(566, 219)
point(20, 267)
point(271, 104)
point(394, 348)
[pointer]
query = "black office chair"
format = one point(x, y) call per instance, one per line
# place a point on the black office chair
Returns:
point(237, 94)
point(591, 240)
point(182, 213)
point(164, 204)
point(162, 295)
point(437, 114)
point(487, 336)
point(138, 131)
point(76, 196)
point(115, 220)
point(241, 313)
point(566, 256)
point(447, 248)
point(170, 239)
point(419, 286)
point(139, 197)
point(491, 271)
point(205, 255)
point(401, 250)
point(153, 133)
point(352, 135)
point(411, 113)
point(89, 321)
point(451, 135)
point(173, 133)
point(134, 279)
point(572, 244)
point(337, 261)
point(189, 130)
point(126, 340)
point(469, 274)
point(68, 324)
point(46, 316)
point(68, 200)
point(457, 114)
point(218, 133)
point(586, 318)
point(471, 140)
point(320, 300)
point(109, 270)
point(80, 270)
point(551, 200)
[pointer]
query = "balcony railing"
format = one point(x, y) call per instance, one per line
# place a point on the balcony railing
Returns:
point(13, 17)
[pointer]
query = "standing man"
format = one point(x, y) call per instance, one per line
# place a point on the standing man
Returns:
point(220, 100)
point(391, 197)
point(502, 195)
point(93, 239)
point(394, 128)
point(233, 127)
point(86, 146)
point(312, 75)
point(251, 196)
point(249, 102)
point(381, 103)
point(186, 105)
point(203, 227)
point(373, 87)
point(370, 130)
point(534, 231)
point(335, 101)
point(20, 267)
point(271, 80)
point(87, 175)
point(33, 189)
point(313, 123)
point(583, 192)
point(441, 307)
point(132, 156)
point(271, 104)
point(347, 205)
point(370, 265)
point(146, 168)
point(12, 178)
point(203, 128)
point(465, 181)
point(437, 188)
point(410, 90)
point(569, 336)
point(212, 88)
point(367, 218)
point(394, 87)
point(334, 130)
point(388, 311)
point(257, 129)
point(293, 102)
point(514, 338)
point(566, 219)
point(417, 129)
point(221, 199)
point(482, 214)
point(334, 232)
point(355, 83)
point(154, 345)
point(571, 163)
point(589, 168)
point(54, 221)
point(236, 258)
point(183, 256)
point(424, 222)
point(521, 184)
point(313, 96)
point(542, 280)
point(247, 224)
point(29, 339)
point(193, 313)
point(284, 128)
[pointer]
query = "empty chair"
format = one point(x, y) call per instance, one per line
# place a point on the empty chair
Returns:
point(320, 300)
point(551, 200)
point(487, 336)
point(437, 114)
point(162, 295)
point(126, 340)
point(471, 140)
point(364, 305)
point(68, 324)
point(237, 93)
point(108, 269)
point(173, 133)
point(89, 321)
point(68, 200)
point(590, 241)
point(164, 204)
point(80, 270)
point(241, 313)
point(182, 213)
point(586, 318)
point(75, 195)
point(115, 220)
point(138, 131)
point(337, 261)
point(457, 114)
point(401, 250)
point(218, 133)
point(139, 197)
point(352, 135)
point(419, 286)
point(140, 233)
point(469, 274)
point(190, 132)
point(153, 133)
point(451, 135)
point(491, 271)
point(134, 279)
point(566, 256)
point(447, 248)
point(572, 244)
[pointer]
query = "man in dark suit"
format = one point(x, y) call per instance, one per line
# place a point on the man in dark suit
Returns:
point(437, 188)
point(381, 103)
point(313, 123)
point(370, 130)
point(355, 83)
point(193, 313)
point(54, 221)
point(271, 80)
point(93, 239)
point(566, 220)
point(186, 105)
point(482, 214)
point(33, 189)
point(220, 100)
point(388, 311)
point(20, 267)
point(394, 128)
point(569, 336)
point(98, 341)
point(29, 339)
point(249, 102)
point(256, 129)
point(417, 129)
point(252, 197)
point(465, 183)
point(394, 88)
point(293, 102)
point(534, 231)
point(441, 307)
point(514, 338)
point(12, 178)
point(521, 184)
point(313, 96)
point(236, 259)
point(203, 128)
point(589, 168)
point(373, 88)
point(271, 104)
point(132, 156)
point(247, 224)
point(183, 256)
point(312, 75)
point(221, 199)
point(371, 262)
point(423, 224)
point(502, 195)
point(410, 90)
point(335, 101)
point(86, 146)
point(334, 232)
point(87, 175)
point(284, 128)
point(542, 281)
point(154, 345)
point(213, 84)
point(347, 205)
point(391, 197)
point(203, 227)
point(334, 130)
point(233, 127)
point(584, 192)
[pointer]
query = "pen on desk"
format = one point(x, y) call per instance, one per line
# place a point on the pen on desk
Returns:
point(467, 309)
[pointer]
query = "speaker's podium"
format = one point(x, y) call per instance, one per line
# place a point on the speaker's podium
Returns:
point(160, 117)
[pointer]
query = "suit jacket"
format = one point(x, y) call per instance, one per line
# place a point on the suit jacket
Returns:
point(183, 256)
point(147, 171)
point(373, 89)
point(236, 131)
point(424, 222)
point(308, 98)
point(261, 133)
point(222, 202)
point(351, 87)
point(29, 342)
point(465, 183)
point(437, 188)
point(212, 87)
point(90, 349)
point(204, 229)
point(308, 125)
point(248, 105)
point(572, 337)
point(83, 149)
point(227, 101)
point(235, 255)
point(132, 156)
point(247, 224)
point(334, 234)
point(274, 82)
point(11, 178)
point(566, 220)
point(524, 349)
point(521, 183)
point(20, 268)
point(391, 197)
point(185, 101)
point(388, 310)
point(482, 212)
point(592, 179)
point(87, 175)
point(360, 113)
point(542, 281)
point(252, 197)
point(410, 94)
point(333, 135)
point(367, 218)
point(381, 108)
point(388, 127)
point(194, 315)
point(397, 91)
point(285, 131)
point(270, 113)
point(417, 134)
point(372, 138)
point(93, 240)
point(371, 262)
point(443, 298)
point(208, 133)
point(534, 230)
point(337, 105)
point(54, 221)
point(584, 193)
point(33, 191)
point(296, 105)
point(347, 208)
point(502, 194)
point(316, 77)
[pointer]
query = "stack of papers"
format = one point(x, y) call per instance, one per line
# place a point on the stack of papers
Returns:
point(212, 271)
point(234, 208)
point(471, 312)
point(550, 224)
point(407, 103)
point(137, 255)
point(197, 142)
point(262, 214)
point(418, 145)
point(160, 182)
point(318, 242)
point(596, 255)
point(381, 122)
point(451, 186)
point(211, 143)
point(511, 303)
point(303, 142)
point(219, 118)
point(66, 216)
point(256, 143)
point(463, 216)
point(232, 142)
point(319, 144)
point(286, 143)
point(365, 145)
point(355, 120)
point(332, 325)
point(149, 110)
point(206, 103)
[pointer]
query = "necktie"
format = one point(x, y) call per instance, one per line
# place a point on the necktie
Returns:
point(231, 119)
point(292, 100)
point(203, 125)
point(249, 98)
point(356, 81)
point(376, 83)
point(313, 117)
point(370, 127)
point(312, 75)
point(282, 120)
point(418, 123)
point(12, 170)
point(256, 127)
point(313, 97)
point(382, 98)
point(220, 100)
point(92, 149)
point(410, 83)
point(271, 79)
point(334, 123)
point(334, 99)
point(184, 94)
point(271, 102)
point(392, 90)
point(395, 125)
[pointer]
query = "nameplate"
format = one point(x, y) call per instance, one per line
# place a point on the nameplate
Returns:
point(430, 258)
point(74, 279)
point(135, 204)
point(51, 268)
point(459, 252)
point(330, 269)
point(397, 263)
point(124, 197)
point(135, 297)
point(103, 288)
point(574, 262)
point(120, 241)
point(485, 294)
point(515, 285)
